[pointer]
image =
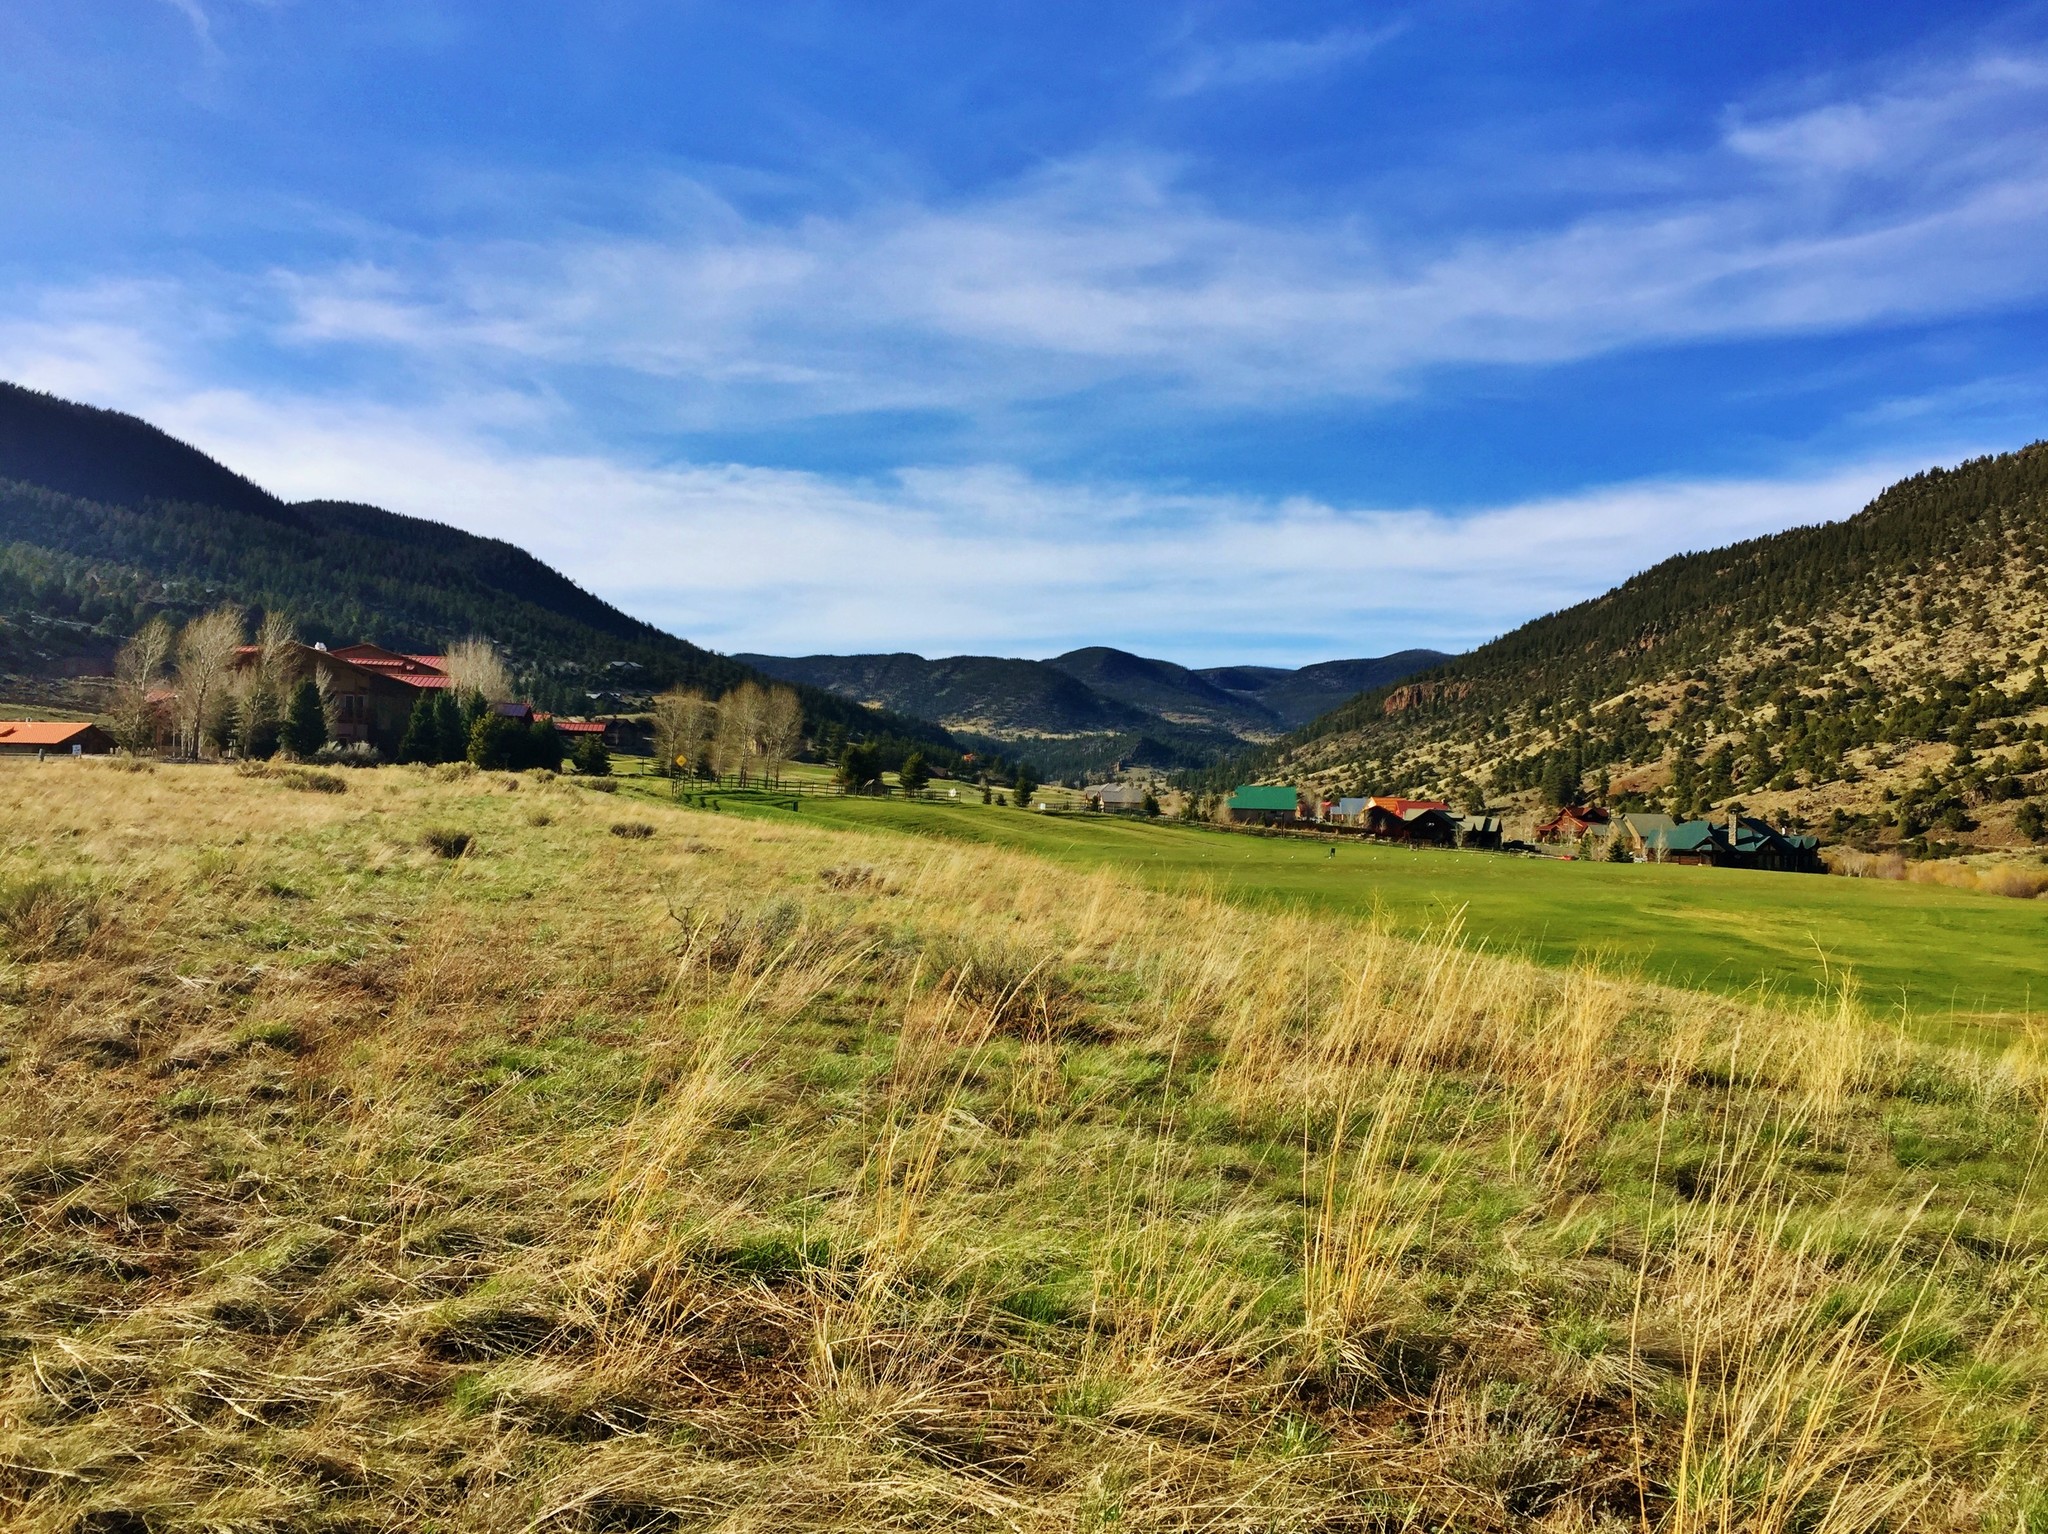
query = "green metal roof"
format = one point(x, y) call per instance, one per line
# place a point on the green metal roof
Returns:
point(1262, 796)
point(1686, 836)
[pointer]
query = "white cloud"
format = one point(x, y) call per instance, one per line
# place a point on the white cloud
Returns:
point(1927, 200)
point(1104, 270)
point(1956, 115)
point(989, 560)
point(945, 560)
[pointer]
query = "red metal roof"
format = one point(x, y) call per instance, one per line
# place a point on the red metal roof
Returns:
point(392, 660)
point(1395, 806)
point(38, 732)
point(579, 726)
point(423, 671)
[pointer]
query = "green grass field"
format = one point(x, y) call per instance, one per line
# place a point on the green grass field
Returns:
point(1944, 958)
point(427, 1148)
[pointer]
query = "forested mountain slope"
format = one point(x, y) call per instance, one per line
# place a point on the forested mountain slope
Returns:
point(104, 520)
point(1017, 708)
point(1166, 691)
point(981, 694)
point(1091, 707)
point(1294, 698)
point(1879, 676)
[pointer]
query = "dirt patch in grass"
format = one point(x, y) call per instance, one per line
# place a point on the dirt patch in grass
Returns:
point(447, 841)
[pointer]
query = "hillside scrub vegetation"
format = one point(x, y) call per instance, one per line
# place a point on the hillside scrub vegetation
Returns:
point(429, 1155)
point(1879, 679)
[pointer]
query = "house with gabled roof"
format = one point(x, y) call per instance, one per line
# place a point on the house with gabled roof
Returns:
point(1573, 822)
point(1395, 819)
point(1752, 843)
point(370, 690)
point(1264, 804)
point(1738, 842)
point(53, 737)
point(1654, 838)
point(1479, 829)
point(1117, 798)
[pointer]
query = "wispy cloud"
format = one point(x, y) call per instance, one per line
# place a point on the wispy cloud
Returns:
point(1273, 61)
point(195, 13)
point(201, 21)
point(1928, 199)
point(948, 559)
point(447, 369)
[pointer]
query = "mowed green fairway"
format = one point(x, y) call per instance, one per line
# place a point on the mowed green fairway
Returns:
point(1942, 957)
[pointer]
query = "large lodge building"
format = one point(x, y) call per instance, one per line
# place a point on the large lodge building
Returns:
point(371, 690)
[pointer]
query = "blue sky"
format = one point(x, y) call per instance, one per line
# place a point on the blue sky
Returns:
point(1222, 332)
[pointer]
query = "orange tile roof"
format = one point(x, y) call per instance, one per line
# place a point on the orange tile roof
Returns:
point(38, 732)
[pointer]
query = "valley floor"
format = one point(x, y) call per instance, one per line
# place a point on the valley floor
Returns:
point(1953, 962)
point(470, 1152)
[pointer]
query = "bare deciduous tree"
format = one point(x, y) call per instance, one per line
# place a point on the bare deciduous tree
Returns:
point(138, 671)
point(277, 649)
point(261, 687)
point(782, 729)
point(737, 742)
point(683, 722)
point(206, 656)
point(477, 668)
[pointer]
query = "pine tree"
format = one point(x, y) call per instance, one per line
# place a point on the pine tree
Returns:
point(422, 739)
point(305, 724)
point(2032, 823)
point(496, 743)
point(544, 747)
point(1560, 781)
point(450, 729)
point(859, 768)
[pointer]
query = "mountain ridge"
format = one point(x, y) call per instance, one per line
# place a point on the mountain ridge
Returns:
point(1879, 677)
point(105, 518)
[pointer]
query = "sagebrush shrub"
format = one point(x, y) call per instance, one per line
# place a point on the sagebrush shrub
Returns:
point(447, 841)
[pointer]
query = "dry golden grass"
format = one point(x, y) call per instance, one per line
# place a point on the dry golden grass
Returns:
point(740, 1176)
point(2018, 881)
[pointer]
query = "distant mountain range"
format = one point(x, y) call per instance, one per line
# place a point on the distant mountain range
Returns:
point(105, 519)
point(1089, 708)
